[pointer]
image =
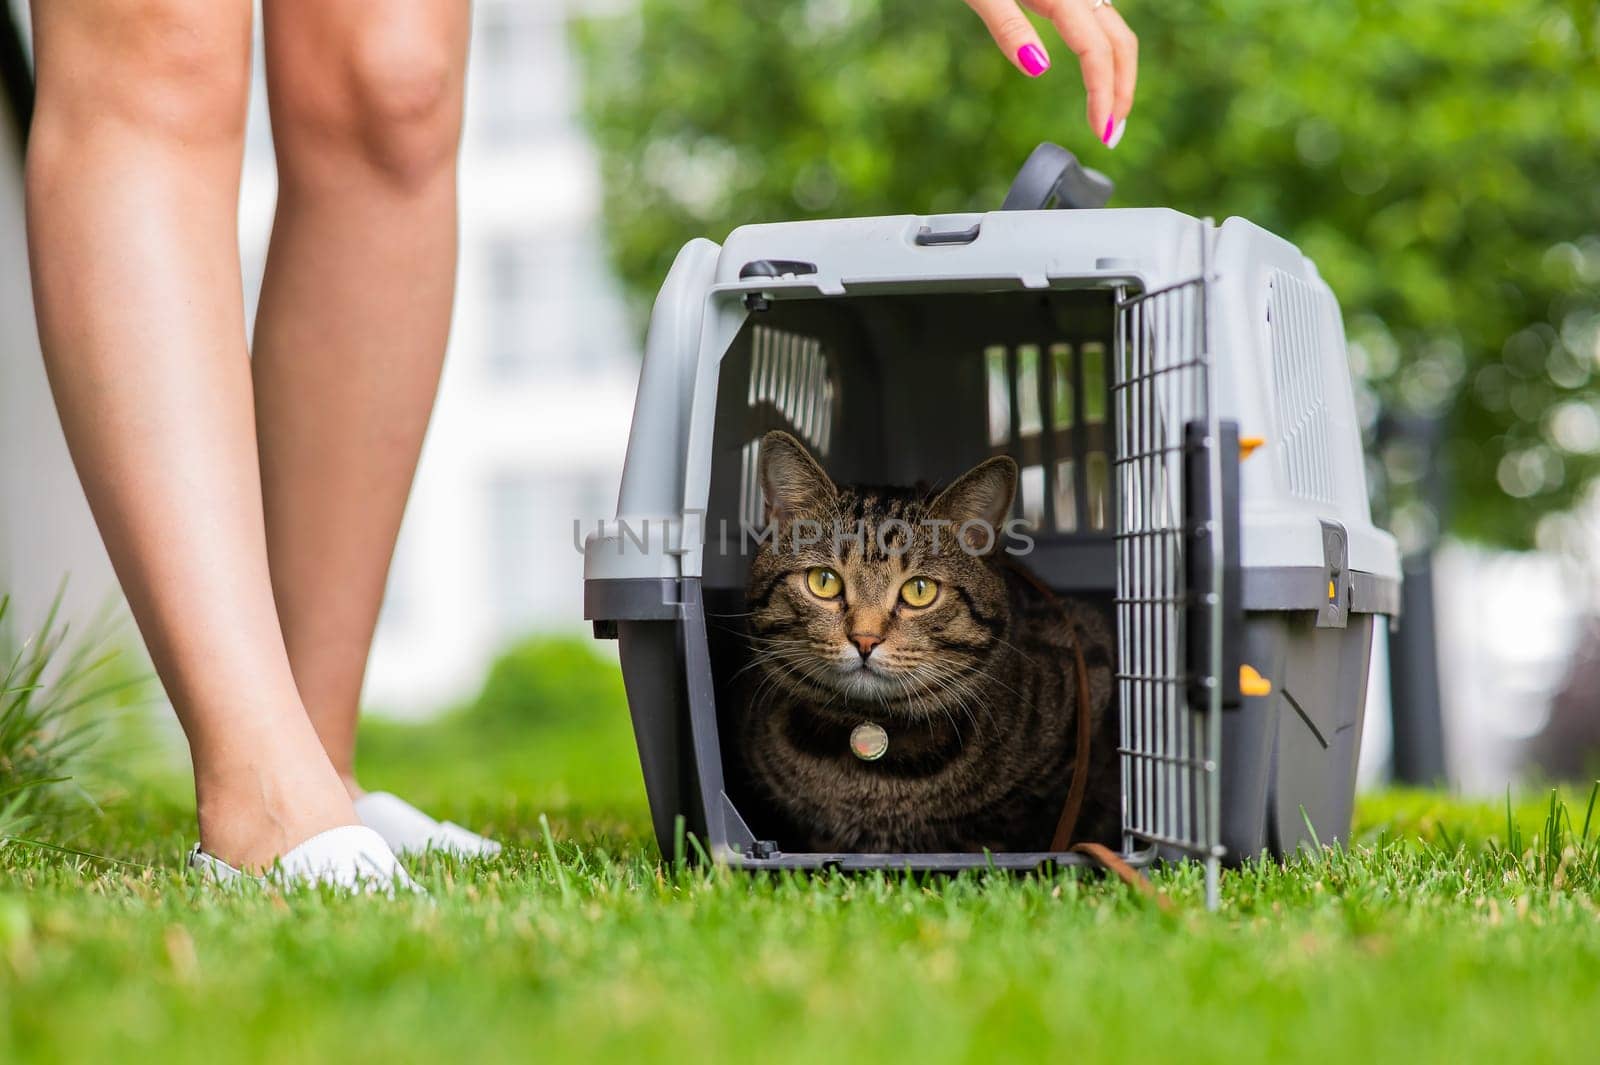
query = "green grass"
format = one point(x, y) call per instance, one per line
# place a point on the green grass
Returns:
point(59, 693)
point(1447, 931)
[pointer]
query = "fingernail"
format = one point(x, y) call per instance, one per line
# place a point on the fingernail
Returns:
point(1033, 60)
point(1114, 131)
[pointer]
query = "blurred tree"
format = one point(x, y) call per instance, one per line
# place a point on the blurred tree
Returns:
point(1437, 160)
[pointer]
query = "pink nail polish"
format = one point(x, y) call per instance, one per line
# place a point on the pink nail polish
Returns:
point(1111, 127)
point(1033, 60)
point(1114, 131)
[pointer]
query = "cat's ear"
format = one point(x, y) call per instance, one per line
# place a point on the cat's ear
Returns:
point(982, 496)
point(791, 481)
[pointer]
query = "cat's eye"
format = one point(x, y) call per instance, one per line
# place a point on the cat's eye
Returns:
point(919, 591)
point(823, 582)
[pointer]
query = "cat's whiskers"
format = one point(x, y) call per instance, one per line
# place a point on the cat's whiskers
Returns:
point(769, 656)
point(915, 693)
point(776, 652)
point(950, 693)
point(758, 642)
point(783, 664)
point(974, 672)
point(918, 704)
point(944, 709)
point(953, 687)
point(1026, 657)
point(797, 680)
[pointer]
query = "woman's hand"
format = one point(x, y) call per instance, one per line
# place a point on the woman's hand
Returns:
point(1106, 49)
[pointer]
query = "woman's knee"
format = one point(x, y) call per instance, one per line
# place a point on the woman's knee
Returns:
point(176, 69)
point(388, 99)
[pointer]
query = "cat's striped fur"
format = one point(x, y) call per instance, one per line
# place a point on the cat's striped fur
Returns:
point(977, 691)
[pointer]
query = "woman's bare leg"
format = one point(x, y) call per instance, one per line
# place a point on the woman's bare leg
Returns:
point(366, 102)
point(132, 185)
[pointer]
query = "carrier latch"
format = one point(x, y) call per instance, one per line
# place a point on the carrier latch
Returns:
point(1334, 612)
point(775, 268)
point(758, 301)
point(1253, 683)
point(1203, 523)
point(953, 229)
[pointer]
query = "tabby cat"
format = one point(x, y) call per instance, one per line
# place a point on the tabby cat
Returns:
point(912, 689)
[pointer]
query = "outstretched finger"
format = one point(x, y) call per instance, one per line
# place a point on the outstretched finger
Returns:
point(1014, 34)
point(1125, 49)
point(1076, 23)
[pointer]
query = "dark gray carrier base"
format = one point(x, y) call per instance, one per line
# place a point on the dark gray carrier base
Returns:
point(1011, 862)
point(1289, 758)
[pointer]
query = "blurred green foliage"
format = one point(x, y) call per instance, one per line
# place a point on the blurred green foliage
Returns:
point(547, 682)
point(1437, 160)
point(550, 726)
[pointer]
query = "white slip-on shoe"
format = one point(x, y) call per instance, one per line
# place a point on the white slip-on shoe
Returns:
point(408, 830)
point(350, 856)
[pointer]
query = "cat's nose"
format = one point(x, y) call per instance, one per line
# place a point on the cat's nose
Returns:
point(865, 642)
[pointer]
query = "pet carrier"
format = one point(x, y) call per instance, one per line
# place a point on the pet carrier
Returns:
point(1176, 395)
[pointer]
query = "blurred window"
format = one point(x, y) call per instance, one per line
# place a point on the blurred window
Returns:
point(530, 307)
point(515, 507)
point(534, 574)
point(522, 70)
point(552, 307)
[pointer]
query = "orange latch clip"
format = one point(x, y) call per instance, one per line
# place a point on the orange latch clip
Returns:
point(1253, 683)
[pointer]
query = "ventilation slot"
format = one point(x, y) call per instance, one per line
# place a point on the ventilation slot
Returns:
point(792, 387)
point(790, 373)
point(1047, 409)
point(1294, 320)
point(750, 485)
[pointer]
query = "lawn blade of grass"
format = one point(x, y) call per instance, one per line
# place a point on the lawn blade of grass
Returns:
point(699, 850)
point(59, 849)
point(1513, 831)
point(555, 859)
point(1588, 812)
point(1311, 828)
point(23, 785)
point(1555, 832)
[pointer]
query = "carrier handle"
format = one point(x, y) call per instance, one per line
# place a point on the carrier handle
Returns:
point(1053, 177)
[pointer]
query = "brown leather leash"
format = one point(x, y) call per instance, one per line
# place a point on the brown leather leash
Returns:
point(1067, 824)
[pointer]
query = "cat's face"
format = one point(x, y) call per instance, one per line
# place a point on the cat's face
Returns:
point(868, 595)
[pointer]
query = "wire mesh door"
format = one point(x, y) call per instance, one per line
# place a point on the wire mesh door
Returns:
point(1168, 607)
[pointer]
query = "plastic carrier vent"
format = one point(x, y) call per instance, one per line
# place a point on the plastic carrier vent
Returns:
point(792, 381)
point(1047, 407)
point(1294, 320)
